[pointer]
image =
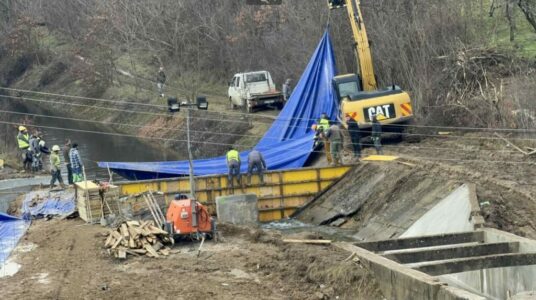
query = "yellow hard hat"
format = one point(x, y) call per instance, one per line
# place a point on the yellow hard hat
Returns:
point(22, 128)
point(56, 148)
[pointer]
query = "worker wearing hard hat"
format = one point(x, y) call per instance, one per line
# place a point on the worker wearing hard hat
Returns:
point(322, 128)
point(55, 167)
point(23, 140)
point(334, 135)
point(233, 165)
point(377, 134)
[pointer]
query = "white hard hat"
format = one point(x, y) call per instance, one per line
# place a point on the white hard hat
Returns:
point(42, 143)
point(55, 148)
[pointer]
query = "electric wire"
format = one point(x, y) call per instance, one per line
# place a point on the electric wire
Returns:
point(232, 134)
point(244, 114)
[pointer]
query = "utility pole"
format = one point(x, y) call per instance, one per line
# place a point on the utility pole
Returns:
point(174, 106)
point(190, 158)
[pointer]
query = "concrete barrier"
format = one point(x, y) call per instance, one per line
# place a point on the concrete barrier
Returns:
point(237, 209)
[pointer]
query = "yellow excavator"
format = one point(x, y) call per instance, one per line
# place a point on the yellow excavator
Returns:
point(358, 94)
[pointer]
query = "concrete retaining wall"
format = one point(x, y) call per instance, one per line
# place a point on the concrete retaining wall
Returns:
point(237, 209)
point(497, 283)
point(398, 282)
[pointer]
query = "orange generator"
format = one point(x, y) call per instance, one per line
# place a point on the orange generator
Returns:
point(187, 218)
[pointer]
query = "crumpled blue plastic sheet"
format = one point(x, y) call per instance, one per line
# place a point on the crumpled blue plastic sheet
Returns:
point(51, 203)
point(11, 230)
point(286, 145)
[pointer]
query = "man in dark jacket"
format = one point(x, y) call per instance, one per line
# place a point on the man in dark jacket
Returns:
point(256, 163)
point(355, 136)
point(66, 149)
point(377, 135)
point(161, 81)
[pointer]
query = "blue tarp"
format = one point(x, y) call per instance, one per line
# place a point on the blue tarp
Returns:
point(11, 230)
point(289, 141)
point(42, 203)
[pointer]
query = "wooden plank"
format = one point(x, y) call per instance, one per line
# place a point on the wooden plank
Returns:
point(155, 230)
point(122, 253)
point(117, 242)
point(151, 250)
point(124, 230)
point(319, 242)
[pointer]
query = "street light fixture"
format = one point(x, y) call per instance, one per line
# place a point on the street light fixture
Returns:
point(175, 106)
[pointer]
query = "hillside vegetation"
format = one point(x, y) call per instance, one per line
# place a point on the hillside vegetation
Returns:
point(467, 63)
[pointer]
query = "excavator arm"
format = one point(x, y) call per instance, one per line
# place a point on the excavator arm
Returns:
point(361, 43)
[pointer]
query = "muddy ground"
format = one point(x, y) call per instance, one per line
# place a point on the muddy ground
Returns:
point(65, 259)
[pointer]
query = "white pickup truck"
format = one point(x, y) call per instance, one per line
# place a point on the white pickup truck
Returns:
point(254, 89)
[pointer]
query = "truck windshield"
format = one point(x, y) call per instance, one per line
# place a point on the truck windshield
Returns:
point(348, 89)
point(255, 77)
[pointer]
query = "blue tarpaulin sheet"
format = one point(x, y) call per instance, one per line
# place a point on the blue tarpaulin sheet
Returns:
point(11, 230)
point(286, 145)
point(42, 203)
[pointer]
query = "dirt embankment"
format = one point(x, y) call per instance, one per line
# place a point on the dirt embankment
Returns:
point(69, 262)
point(382, 199)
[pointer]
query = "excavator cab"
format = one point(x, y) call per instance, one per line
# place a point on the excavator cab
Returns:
point(332, 4)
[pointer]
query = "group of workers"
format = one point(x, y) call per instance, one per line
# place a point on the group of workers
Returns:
point(331, 136)
point(328, 133)
point(256, 164)
point(32, 147)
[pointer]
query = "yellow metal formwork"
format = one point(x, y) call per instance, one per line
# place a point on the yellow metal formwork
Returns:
point(284, 191)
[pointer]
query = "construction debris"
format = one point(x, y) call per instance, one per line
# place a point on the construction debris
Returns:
point(317, 242)
point(138, 238)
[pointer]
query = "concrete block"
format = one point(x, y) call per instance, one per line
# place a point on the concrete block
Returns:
point(237, 209)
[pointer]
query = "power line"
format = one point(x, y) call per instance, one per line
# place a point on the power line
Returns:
point(233, 134)
point(232, 113)
point(291, 126)
point(312, 151)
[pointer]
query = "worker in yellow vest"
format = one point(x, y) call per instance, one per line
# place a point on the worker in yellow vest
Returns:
point(233, 164)
point(323, 127)
point(23, 140)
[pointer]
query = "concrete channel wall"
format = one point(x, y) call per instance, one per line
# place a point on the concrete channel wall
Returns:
point(398, 282)
point(11, 188)
point(499, 283)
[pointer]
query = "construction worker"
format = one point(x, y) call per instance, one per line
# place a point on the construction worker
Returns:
point(256, 163)
point(334, 135)
point(287, 90)
point(66, 158)
point(355, 136)
point(161, 81)
point(76, 163)
point(233, 164)
point(323, 127)
point(55, 167)
point(376, 135)
point(23, 140)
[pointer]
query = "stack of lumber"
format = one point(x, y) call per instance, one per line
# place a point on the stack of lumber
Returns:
point(90, 203)
point(137, 238)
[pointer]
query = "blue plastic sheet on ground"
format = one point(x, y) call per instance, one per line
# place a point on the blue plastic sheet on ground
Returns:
point(286, 145)
point(43, 203)
point(11, 230)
